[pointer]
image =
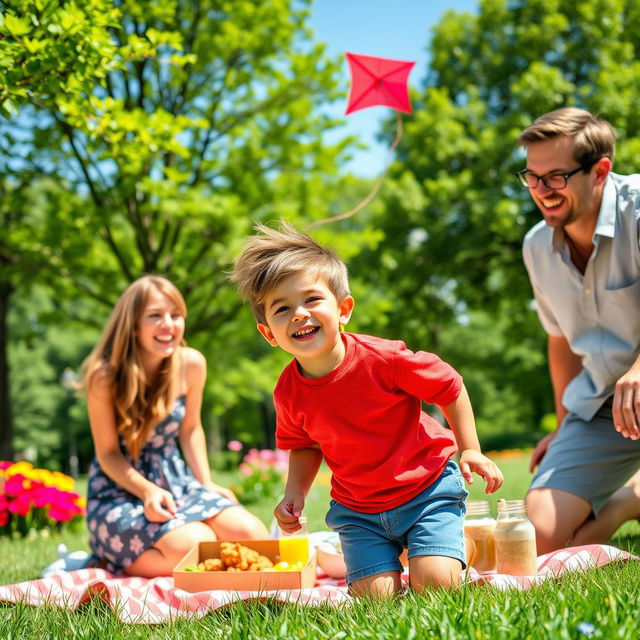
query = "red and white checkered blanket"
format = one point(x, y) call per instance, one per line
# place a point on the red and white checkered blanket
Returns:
point(150, 601)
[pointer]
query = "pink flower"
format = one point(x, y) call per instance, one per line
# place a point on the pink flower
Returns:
point(245, 469)
point(252, 457)
point(44, 496)
point(103, 532)
point(116, 543)
point(21, 505)
point(234, 445)
point(136, 545)
point(4, 518)
point(15, 485)
point(5, 464)
point(267, 455)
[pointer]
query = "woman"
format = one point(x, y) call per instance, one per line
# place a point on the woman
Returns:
point(146, 508)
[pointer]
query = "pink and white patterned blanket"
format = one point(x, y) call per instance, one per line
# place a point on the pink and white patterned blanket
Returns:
point(150, 601)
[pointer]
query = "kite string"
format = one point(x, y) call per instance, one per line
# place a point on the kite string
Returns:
point(376, 186)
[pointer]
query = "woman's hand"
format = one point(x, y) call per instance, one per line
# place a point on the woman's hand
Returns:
point(223, 491)
point(159, 505)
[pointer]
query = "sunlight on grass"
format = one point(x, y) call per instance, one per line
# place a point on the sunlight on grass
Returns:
point(600, 603)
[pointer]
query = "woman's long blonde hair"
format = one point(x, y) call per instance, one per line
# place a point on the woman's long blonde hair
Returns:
point(139, 405)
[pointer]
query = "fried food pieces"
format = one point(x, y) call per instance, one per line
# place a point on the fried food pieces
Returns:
point(236, 557)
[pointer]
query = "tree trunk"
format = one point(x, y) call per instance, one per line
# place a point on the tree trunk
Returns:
point(6, 419)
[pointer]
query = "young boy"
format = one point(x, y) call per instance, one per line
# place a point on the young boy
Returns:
point(356, 401)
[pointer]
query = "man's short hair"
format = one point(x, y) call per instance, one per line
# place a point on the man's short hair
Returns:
point(593, 137)
point(272, 255)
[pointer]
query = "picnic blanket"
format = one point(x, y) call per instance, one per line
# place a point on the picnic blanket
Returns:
point(151, 601)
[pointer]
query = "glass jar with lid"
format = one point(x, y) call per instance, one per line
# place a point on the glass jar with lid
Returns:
point(479, 526)
point(515, 538)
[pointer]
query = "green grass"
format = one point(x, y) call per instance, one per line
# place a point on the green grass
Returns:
point(605, 598)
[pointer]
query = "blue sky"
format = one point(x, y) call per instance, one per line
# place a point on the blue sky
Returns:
point(389, 28)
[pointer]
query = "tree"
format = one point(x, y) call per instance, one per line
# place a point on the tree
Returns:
point(454, 215)
point(176, 124)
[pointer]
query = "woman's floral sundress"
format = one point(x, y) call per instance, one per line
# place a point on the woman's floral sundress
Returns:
point(118, 529)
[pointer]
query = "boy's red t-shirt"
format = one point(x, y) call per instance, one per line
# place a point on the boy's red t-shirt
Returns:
point(366, 416)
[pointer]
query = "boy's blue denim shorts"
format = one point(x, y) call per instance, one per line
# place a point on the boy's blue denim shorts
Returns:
point(431, 524)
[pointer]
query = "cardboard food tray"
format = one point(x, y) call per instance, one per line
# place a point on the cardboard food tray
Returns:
point(245, 580)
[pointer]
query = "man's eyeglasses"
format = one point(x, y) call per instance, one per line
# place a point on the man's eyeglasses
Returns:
point(530, 180)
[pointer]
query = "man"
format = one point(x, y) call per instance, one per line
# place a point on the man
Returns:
point(583, 261)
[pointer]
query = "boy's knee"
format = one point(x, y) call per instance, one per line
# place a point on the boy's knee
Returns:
point(378, 586)
point(434, 572)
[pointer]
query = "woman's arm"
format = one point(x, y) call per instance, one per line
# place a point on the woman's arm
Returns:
point(191, 437)
point(159, 504)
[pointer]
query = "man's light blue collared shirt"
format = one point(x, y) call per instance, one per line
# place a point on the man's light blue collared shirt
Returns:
point(598, 312)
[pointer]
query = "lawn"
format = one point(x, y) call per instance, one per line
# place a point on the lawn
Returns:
point(600, 603)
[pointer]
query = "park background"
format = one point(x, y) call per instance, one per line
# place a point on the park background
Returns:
point(149, 137)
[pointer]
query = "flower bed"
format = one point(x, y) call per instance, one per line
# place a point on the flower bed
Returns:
point(36, 500)
point(263, 474)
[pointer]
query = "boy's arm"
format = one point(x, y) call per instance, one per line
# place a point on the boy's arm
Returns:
point(459, 415)
point(303, 467)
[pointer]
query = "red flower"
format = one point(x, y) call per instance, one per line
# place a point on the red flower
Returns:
point(4, 518)
point(44, 496)
point(15, 485)
point(21, 505)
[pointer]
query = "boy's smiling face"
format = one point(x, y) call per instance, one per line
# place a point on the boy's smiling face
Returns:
point(303, 318)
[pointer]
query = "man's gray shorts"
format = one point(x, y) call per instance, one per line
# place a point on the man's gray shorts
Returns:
point(589, 459)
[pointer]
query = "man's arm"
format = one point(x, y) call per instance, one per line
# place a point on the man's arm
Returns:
point(564, 366)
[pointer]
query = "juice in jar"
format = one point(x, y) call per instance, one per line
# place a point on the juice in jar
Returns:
point(479, 527)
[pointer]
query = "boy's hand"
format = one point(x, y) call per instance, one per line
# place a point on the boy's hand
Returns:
point(288, 511)
point(472, 461)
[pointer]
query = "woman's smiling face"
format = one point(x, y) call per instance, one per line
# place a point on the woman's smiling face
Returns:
point(160, 328)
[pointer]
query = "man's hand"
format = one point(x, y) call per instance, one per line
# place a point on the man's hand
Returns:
point(472, 461)
point(626, 403)
point(288, 511)
point(540, 450)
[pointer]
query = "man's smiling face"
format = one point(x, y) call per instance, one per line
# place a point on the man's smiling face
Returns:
point(561, 207)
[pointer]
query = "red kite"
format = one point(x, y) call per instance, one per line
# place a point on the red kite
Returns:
point(378, 81)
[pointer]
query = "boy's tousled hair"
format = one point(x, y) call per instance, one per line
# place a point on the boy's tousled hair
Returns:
point(593, 137)
point(272, 255)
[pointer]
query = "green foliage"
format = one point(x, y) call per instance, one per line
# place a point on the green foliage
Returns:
point(454, 215)
point(261, 485)
point(164, 130)
point(262, 476)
